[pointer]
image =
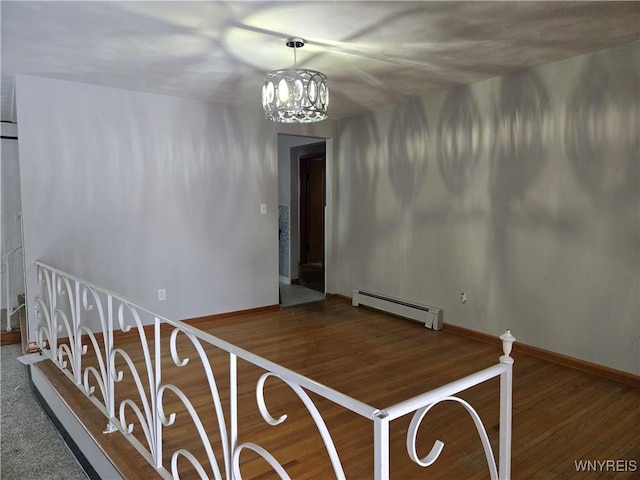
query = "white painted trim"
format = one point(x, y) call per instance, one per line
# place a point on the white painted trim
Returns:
point(103, 467)
point(329, 218)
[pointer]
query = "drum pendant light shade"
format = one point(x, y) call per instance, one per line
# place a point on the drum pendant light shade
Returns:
point(295, 95)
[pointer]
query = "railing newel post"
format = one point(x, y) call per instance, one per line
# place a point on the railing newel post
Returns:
point(154, 400)
point(77, 337)
point(506, 406)
point(54, 318)
point(233, 413)
point(381, 445)
point(7, 284)
point(110, 367)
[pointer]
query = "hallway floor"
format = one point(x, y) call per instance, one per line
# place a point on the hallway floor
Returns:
point(297, 294)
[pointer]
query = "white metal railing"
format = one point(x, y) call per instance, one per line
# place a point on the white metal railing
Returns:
point(68, 306)
point(7, 263)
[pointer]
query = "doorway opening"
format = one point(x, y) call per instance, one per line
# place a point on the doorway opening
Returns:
point(311, 208)
point(302, 197)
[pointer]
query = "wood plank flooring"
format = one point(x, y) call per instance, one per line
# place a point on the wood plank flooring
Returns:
point(560, 415)
point(13, 336)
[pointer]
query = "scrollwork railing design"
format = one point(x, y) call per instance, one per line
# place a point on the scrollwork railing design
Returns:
point(215, 398)
point(76, 331)
point(311, 408)
point(433, 455)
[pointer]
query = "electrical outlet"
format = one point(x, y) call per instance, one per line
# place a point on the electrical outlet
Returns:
point(463, 297)
point(263, 208)
point(162, 294)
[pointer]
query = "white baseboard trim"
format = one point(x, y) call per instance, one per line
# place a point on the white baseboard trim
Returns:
point(285, 280)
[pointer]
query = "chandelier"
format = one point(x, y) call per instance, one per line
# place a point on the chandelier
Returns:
point(295, 95)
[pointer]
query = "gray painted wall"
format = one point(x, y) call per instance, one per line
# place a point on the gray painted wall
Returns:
point(137, 192)
point(522, 191)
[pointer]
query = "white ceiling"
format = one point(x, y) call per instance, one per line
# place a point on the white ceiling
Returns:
point(375, 53)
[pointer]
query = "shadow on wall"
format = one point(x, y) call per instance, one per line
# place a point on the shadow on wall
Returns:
point(459, 139)
point(590, 131)
point(523, 128)
point(363, 150)
point(601, 132)
point(165, 185)
point(263, 152)
point(408, 151)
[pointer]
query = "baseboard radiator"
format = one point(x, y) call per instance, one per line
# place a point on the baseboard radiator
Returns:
point(430, 316)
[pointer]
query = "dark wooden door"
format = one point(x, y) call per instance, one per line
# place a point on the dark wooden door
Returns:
point(312, 203)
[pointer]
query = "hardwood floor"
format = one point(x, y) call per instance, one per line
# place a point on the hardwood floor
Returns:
point(13, 336)
point(560, 415)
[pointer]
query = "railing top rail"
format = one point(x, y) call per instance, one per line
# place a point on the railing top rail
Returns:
point(346, 401)
point(96, 287)
point(412, 404)
point(14, 249)
point(361, 408)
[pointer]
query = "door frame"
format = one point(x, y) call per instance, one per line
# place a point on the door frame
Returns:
point(288, 166)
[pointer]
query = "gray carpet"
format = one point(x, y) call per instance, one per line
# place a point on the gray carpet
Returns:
point(30, 446)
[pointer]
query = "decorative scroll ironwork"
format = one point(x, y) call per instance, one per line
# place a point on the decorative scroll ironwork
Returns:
point(311, 408)
point(67, 306)
point(263, 453)
point(148, 415)
point(100, 374)
point(215, 397)
point(433, 455)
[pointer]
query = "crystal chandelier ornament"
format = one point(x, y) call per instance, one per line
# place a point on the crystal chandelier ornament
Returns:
point(295, 95)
